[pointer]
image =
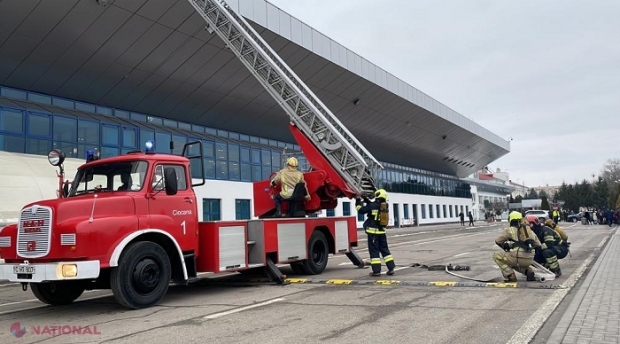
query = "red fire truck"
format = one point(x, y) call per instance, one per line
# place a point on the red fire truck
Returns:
point(130, 224)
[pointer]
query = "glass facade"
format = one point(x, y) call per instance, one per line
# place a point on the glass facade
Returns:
point(35, 123)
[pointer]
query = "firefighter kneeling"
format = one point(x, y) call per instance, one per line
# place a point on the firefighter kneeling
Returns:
point(553, 246)
point(375, 226)
point(519, 244)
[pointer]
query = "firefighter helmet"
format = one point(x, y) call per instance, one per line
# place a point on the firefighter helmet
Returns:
point(292, 161)
point(515, 215)
point(533, 219)
point(381, 193)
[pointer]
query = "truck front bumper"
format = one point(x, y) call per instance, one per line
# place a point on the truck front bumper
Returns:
point(59, 271)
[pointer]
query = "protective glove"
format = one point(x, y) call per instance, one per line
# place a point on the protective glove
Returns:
point(507, 246)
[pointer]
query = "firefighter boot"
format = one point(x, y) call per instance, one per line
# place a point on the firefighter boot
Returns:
point(557, 272)
point(510, 278)
point(374, 274)
point(529, 272)
point(390, 272)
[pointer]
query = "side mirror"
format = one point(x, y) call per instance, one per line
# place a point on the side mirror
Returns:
point(170, 178)
point(56, 157)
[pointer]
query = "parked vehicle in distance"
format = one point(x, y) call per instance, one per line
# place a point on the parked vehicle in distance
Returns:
point(541, 214)
point(574, 217)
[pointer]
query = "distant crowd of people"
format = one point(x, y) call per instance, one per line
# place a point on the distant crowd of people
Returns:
point(602, 217)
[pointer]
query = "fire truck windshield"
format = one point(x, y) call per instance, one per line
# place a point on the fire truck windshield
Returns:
point(126, 176)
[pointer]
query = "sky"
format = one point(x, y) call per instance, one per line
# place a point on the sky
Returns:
point(544, 73)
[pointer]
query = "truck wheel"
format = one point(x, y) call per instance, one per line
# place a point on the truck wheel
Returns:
point(142, 276)
point(318, 251)
point(57, 294)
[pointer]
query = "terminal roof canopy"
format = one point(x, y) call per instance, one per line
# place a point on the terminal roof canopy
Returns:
point(155, 57)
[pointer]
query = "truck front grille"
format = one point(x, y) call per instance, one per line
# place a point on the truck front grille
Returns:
point(34, 232)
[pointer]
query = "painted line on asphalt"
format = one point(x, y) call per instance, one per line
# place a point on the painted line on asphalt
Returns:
point(532, 325)
point(237, 310)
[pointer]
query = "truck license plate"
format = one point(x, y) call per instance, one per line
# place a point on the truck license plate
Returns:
point(23, 269)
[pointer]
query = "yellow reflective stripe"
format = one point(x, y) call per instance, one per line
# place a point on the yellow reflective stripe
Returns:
point(544, 246)
point(548, 238)
point(358, 207)
point(375, 261)
point(388, 258)
point(375, 213)
point(374, 231)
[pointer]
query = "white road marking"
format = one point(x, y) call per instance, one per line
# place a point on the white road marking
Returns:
point(461, 254)
point(237, 310)
point(529, 329)
point(9, 285)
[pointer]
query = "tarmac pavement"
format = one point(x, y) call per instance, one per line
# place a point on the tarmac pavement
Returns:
point(344, 306)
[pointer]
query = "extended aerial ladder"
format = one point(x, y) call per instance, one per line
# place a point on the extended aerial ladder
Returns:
point(314, 126)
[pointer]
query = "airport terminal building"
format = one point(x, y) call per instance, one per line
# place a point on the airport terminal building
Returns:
point(82, 75)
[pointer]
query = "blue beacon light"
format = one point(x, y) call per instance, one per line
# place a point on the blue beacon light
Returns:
point(150, 147)
point(91, 155)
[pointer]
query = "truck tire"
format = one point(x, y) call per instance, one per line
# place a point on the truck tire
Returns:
point(318, 251)
point(57, 294)
point(142, 276)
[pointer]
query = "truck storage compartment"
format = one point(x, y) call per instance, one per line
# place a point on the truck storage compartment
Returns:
point(223, 246)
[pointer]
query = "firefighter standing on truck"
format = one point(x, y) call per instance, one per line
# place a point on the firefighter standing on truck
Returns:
point(375, 224)
point(519, 244)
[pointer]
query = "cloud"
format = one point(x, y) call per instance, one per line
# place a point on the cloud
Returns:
point(545, 73)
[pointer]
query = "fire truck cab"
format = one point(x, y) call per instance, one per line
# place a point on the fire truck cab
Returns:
point(130, 224)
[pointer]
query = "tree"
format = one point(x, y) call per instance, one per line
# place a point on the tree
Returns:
point(532, 194)
point(611, 170)
point(601, 193)
point(518, 199)
point(542, 194)
point(544, 204)
point(510, 199)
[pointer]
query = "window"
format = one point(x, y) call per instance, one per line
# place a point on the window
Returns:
point(38, 146)
point(360, 217)
point(11, 121)
point(12, 143)
point(39, 125)
point(406, 211)
point(65, 129)
point(179, 142)
point(211, 209)
point(438, 212)
point(88, 132)
point(346, 208)
point(330, 212)
point(445, 213)
point(423, 208)
point(162, 142)
point(467, 209)
point(221, 151)
point(246, 173)
point(110, 135)
point(85, 107)
point(451, 213)
point(63, 103)
point(221, 170)
point(158, 182)
point(242, 209)
point(38, 98)
point(129, 138)
point(430, 211)
point(117, 176)
point(10, 93)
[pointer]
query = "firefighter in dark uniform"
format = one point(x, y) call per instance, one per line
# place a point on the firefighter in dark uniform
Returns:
point(563, 246)
point(377, 240)
point(519, 244)
point(549, 239)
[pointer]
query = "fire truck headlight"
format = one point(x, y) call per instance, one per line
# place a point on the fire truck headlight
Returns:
point(69, 270)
